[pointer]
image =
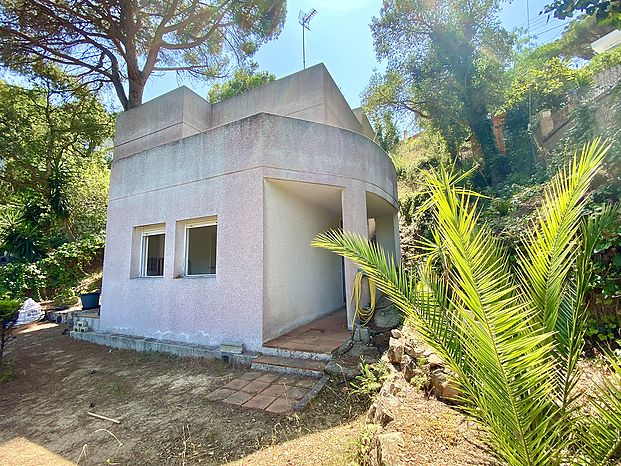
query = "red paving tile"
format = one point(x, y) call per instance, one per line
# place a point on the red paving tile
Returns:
point(238, 398)
point(281, 405)
point(267, 377)
point(259, 402)
point(256, 386)
point(274, 390)
point(237, 384)
point(308, 383)
point(287, 380)
point(275, 393)
point(296, 393)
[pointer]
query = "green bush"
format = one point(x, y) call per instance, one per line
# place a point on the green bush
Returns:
point(52, 276)
point(68, 264)
point(21, 279)
point(371, 379)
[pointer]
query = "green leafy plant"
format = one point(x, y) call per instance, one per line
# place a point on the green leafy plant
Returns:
point(21, 279)
point(513, 335)
point(68, 264)
point(604, 329)
point(370, 380)
point(9, 311)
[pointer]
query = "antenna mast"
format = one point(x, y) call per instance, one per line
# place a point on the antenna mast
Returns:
point(304, 19)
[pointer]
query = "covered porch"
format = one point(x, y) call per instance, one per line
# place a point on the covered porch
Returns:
point(323, 335)
point(307, 304)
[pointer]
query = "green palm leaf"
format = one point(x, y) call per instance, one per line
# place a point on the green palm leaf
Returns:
point(513, 340)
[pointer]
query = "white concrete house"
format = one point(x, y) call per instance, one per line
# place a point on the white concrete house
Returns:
point(212, 209)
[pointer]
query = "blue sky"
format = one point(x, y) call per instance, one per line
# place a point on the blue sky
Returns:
point(340, 38)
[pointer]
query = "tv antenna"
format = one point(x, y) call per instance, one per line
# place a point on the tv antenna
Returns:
point(304, 19)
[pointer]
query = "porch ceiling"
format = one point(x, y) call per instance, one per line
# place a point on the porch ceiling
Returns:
point(325, 196)
point(378, 206)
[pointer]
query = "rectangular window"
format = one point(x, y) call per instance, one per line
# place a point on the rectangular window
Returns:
point(152, 264)
point(200, 252)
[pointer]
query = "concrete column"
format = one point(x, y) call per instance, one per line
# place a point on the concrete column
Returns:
point(387, 233)
point(354, 221)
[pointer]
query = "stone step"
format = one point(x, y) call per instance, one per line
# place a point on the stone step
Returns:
point(302, 367)
point(295, 354)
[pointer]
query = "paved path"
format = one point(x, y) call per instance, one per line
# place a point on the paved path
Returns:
point(264, 391)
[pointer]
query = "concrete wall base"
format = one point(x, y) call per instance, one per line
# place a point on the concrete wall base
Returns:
point(185, 350)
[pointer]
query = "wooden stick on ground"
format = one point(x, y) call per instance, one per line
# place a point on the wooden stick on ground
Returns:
point(99, 416)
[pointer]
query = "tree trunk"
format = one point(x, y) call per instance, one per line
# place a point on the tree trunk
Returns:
point(481, 127)
point(136, 89)
point(480, 124)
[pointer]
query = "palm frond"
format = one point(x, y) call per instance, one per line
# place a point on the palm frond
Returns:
point(505, 348)
point(513, 342)
point(547, 256)
point(571, 322)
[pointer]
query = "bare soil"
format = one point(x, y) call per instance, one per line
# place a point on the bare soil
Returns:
point(161, 403)
point(166, 418)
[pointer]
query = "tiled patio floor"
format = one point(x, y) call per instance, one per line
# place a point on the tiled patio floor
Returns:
point(323, 335)
point(265, 391)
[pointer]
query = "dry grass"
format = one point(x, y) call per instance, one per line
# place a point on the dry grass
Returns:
point(160, 400)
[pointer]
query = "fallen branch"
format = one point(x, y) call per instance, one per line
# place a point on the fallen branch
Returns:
point(99, 416)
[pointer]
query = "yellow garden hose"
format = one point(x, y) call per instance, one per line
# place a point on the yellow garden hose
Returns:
point(363, 314)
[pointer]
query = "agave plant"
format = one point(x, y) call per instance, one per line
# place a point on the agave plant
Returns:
point(513, 335)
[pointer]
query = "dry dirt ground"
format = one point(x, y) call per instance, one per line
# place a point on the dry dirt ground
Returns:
point(161, 403)
point(166, 418)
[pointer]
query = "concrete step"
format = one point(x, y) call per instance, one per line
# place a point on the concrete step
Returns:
point(295, 366)
point(295, 354)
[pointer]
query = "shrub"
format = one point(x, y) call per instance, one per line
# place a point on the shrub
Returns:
point(371, 379)
point(68, 264)
point(21, 279)
point(61, 270)
point(9, 311)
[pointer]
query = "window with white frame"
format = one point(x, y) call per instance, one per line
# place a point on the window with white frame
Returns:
point(152, 256)
point(200, 248)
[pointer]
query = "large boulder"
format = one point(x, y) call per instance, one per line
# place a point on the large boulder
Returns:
point(387, 316)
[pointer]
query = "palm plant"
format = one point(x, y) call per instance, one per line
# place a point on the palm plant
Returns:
point(513, 335)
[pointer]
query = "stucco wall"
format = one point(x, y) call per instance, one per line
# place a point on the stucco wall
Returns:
point(172, 116)
point(220, 172)
point(310, 94)
point(301, 283)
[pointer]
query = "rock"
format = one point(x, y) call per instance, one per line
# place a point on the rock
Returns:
point(345, 347)
point(387, 317)
point(392, 384)
point(396, 333)
point(443, 386)
point(408, 368)
point(395, 351)
point(383, 410)
point(434, 361)
point(388, 449)
point(413, 351)
point(342, 372)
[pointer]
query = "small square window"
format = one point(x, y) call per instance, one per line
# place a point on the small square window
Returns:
point(152, 264)
point(201, 249)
